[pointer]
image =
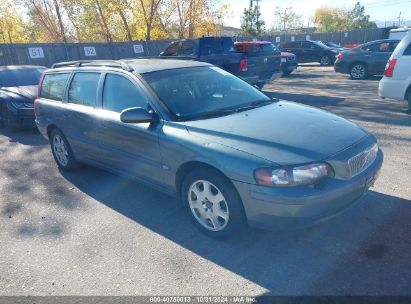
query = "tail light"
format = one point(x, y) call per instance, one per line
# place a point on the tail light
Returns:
point(339, 56)
point(38, 93)
point(389, 68)
point(243, 65)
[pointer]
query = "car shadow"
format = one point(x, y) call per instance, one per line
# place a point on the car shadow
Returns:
point(28, 137)
point(366, 245)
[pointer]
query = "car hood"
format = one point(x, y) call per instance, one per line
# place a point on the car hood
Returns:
point(23, 93)
point(283, 132)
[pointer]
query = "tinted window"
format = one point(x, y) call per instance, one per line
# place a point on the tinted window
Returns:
point(83, 89)
point(371, 47)
point(20, 77)
point(187, 48)
point(393, 45)
point(407, 51)
point(172, 49)
point(53, 86)
point(216, 45)
point(120, 93)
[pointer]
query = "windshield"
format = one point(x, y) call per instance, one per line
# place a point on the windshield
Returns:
point(202, 92)
point(332, 44)
point(20, 77)
point(320, 44)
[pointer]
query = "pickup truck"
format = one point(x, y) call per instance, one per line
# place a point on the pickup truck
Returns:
point(255, 68)
point(288, 60)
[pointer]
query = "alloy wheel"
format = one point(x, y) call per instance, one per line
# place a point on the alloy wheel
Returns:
point(60, 150)
point(358, 71)
point(208, 205)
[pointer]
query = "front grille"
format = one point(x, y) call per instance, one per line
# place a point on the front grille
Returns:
point(362, 161)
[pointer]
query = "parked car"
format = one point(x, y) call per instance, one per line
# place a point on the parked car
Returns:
point(18, 87)
point(310, 51)
point(190, 129)
point(288, 61)
point(335, 46)
point(396, 83)
point(365, 60)
point(255, 68)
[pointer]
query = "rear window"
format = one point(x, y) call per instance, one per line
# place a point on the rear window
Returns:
point(53, 86)
point(20, 77)
point(172, 50)
point(407, 51)
point(83, 89)
point(216, 45)
point(268, 47)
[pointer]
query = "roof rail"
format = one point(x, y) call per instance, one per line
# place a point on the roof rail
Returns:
point(106, 63)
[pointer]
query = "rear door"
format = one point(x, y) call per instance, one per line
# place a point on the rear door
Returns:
point(377, 55)
point(79, 114)
point(132, 149)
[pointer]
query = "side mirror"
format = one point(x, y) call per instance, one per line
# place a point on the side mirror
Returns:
point(161, 54)
point(136, 115)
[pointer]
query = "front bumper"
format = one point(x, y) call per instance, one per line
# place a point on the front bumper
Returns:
point(267, 207)
point(24, 117)
point(289, 66)
point(391, 88)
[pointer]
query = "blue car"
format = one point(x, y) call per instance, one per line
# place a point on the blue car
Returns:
point(231, 154)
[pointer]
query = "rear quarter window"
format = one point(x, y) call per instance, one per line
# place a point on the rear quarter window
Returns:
point(53, 86)
point(407, 51)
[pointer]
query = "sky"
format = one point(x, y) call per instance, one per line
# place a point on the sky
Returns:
point(379, 10)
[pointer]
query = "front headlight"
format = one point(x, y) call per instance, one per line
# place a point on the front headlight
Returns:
point(293, 176)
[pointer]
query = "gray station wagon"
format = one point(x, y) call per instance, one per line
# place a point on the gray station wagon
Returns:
point(190, 129)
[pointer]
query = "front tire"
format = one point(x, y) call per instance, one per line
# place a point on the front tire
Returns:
point(8, 120)
point(62, 153)
point(409, 102)
point(213, 202)
point(358, 71)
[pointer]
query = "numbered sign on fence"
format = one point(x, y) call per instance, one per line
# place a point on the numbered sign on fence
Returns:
point(292, 38)
point(277, 39)
point(138, 48)
point(36, 52)
point(307, 37)
point(90, 51)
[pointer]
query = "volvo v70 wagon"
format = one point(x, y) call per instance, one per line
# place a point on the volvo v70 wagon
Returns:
point(230, 153)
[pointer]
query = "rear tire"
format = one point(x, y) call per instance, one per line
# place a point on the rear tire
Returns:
point(7, 119)
point(325, 60)
point(62, 153)
point(213, 203)
point(358, 71)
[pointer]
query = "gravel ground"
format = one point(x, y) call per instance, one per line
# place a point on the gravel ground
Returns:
point(92, 233)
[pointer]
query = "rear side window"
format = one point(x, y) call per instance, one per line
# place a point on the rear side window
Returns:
point(407, 51)
point(120, 93)
point(83, 89)
point(53, 86)
point(187, 48)
point(172, 50)
point(216, 45)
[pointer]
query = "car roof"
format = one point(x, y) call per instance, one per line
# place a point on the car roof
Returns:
point(253, 42)
point(137, 65)
point(147, 65)
point(20, 67)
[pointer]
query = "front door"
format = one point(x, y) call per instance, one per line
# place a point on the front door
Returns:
point(132, 149)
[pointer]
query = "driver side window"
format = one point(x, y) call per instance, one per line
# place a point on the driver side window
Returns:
point(120, 93)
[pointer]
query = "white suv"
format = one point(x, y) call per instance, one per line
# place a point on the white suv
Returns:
point(396, 83)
